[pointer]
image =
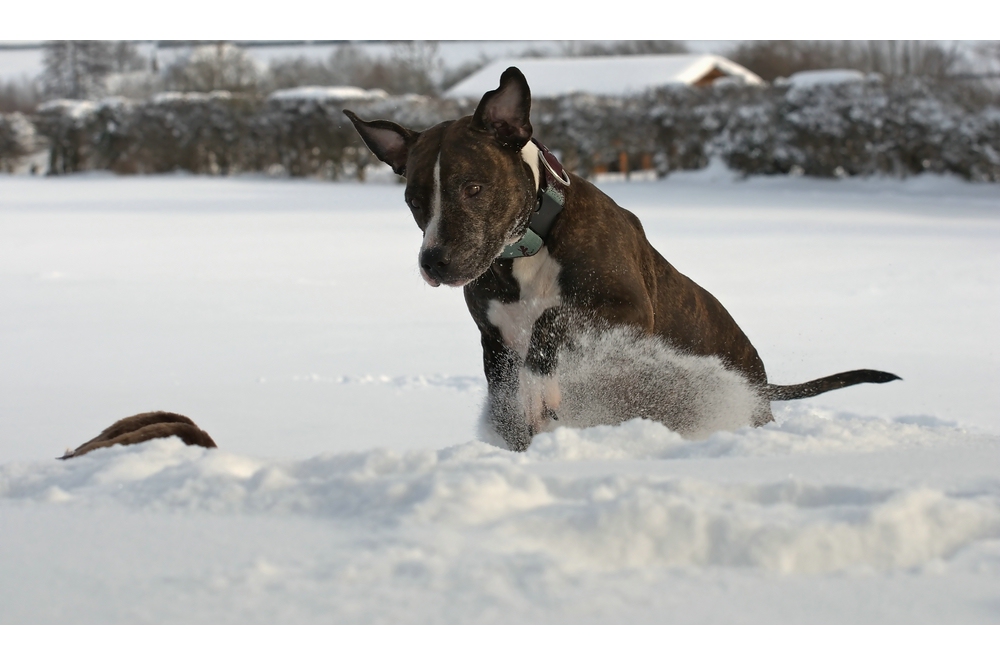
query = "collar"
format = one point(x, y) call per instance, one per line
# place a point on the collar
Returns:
point(550, 202)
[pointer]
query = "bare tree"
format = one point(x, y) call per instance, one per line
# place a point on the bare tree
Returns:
point(21, 95)
point(891, 58)
point(774, 58)
point(411, 68)
point(295, 72)
point(125, 57)
point(990, 50)
point(220, 66)
point(79, 69)
point(630, 47)
point(76, 69)
point(895, 59)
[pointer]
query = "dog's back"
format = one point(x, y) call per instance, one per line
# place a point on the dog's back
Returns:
point(604, 250)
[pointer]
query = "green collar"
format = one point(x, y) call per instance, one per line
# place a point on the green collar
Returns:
point(550, 204)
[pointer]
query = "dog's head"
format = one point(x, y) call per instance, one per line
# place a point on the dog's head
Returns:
point(471, 183)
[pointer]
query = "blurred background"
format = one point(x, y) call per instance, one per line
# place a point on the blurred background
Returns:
point(610, 109)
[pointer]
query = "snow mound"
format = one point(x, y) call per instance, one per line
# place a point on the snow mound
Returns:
point(801, 429)
point(473, 502)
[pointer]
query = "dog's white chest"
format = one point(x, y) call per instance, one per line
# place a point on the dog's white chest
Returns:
point(538, 278)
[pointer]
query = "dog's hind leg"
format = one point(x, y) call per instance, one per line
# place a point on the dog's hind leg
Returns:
point(145, 427)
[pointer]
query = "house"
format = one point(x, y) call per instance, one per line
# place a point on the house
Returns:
point(606, 75)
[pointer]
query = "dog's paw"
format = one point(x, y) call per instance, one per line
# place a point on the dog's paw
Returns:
point(540, 399)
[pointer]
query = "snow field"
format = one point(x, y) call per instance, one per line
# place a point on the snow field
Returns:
point(289, 320)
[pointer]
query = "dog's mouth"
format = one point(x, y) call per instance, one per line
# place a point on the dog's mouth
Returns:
point(446, 281)
point(460, 272)
point(457, 283)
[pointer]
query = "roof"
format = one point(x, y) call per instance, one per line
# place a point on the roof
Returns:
point(813, 77)
point(327, 93)
point(603, 75)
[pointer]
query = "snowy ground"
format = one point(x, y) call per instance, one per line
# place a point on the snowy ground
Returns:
point(289, 320)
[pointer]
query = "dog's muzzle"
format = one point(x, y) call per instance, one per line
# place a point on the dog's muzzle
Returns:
point(434, 265)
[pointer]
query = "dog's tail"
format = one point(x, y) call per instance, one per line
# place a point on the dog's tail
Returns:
point(827, 383)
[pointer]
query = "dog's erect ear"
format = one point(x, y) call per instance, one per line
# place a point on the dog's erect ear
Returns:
point(390, 142)
point(504, 112)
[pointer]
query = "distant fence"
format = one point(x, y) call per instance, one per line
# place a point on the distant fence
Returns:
point(855, 128)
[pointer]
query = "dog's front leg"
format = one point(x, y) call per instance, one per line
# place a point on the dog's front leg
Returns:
point(524, 395)
point(539, 386)
point(506, 412)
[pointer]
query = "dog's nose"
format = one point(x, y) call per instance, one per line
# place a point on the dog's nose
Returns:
point(434, 261)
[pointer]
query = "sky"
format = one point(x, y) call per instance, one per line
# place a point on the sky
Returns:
point(309, 19)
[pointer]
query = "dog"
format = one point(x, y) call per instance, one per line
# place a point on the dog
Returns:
point(548, 263)
point(543, 257)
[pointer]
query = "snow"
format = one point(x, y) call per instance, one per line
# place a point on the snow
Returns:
point(289, 320)
point(604, 75)
point(168, 97)
point(811, 77)
point(325, 93)
point(74, 108)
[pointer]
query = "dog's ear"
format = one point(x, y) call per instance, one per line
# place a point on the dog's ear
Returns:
point(390, 142)
point(504, 112)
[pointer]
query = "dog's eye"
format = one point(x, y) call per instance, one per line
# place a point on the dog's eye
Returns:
point(414, 204)
point(472, 190)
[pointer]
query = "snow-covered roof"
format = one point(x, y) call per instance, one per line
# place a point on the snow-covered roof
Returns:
point(604, 75)
point(325, 93)
point(75, 108)
point(813, 77)
point(168, 97)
